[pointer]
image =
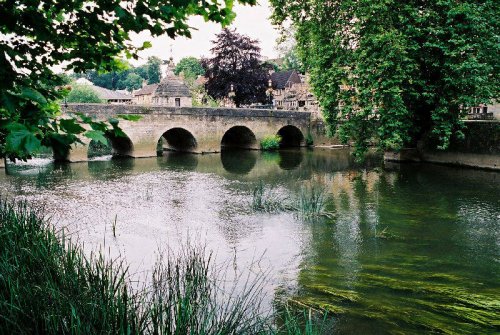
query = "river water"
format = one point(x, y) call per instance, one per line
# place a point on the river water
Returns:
point(401, 249)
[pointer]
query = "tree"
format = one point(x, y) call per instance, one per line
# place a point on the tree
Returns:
point(190, 67)
point(41, 35)
point(153, 70)
point(236, 62)
point(395, 71)
point(83, 94)
point(133, 82)
point(287, 50)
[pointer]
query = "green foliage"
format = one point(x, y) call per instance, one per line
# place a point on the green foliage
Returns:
point(393, 71)
point(309, 139)
point(83, 94)
point(80, 36)
point(190, 67)
point(153, 70)
point(271, 142)
point(133, 82)
point(49, 286)
point(125, 76)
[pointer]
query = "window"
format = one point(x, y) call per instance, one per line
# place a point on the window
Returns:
point(177, 102)
point(302, 103)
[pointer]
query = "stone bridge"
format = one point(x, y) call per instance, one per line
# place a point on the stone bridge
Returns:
point(191, 129)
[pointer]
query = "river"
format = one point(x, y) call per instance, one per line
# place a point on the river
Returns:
point(399, 249)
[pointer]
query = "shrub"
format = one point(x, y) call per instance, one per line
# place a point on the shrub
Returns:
point(309, 139)
point(271, 142)
point(83, 94)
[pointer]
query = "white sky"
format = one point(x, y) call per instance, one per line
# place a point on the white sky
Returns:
point(252, 21)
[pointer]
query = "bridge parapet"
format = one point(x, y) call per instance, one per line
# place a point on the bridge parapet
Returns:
point(194, 129)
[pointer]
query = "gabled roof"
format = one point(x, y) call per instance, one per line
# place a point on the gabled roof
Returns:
point(172, 86)
point(146, 90)
point(282, 78)
point(106, 94)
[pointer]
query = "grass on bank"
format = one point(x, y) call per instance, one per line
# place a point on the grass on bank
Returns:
point(48, 285)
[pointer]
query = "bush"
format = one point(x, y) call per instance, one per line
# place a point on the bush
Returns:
point(309, 139)
point(83, 94)
point(271, 142)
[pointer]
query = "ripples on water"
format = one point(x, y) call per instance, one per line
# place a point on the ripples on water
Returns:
point(411, 249)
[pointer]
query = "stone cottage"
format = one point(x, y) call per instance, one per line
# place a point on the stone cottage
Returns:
point(172, 92)
point(144, 96)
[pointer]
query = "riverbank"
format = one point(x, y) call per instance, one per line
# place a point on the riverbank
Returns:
point(48, 285)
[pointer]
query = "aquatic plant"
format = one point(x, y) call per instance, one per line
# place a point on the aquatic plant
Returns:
point(311, 202)
point(309, 139)
point(271, 142)
point(48, 285)
point(114, 225)
point(267, 200)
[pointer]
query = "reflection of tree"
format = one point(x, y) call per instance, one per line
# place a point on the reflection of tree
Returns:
point(403, 232)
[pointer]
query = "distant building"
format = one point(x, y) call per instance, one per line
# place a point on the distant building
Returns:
point(291, 91)
point(144, 96)
point(112, 97)
point(485, 112)
point(84, 81)
point(281, 81)
point(108, 96)
point(172, 91)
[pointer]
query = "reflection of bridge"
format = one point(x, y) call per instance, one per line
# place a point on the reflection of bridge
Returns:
point(197, 130)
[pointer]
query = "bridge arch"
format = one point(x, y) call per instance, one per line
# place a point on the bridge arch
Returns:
point(117, 146)
point(291, 136)
point(239, 137)
point(178, 139)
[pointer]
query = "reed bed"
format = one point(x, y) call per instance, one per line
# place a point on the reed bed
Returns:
point(49, 285)
point(310, 202)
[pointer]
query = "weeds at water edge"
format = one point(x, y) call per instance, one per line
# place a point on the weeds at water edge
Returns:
point(48, 285)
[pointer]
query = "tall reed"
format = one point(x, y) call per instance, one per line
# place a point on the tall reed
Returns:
point(48, 285)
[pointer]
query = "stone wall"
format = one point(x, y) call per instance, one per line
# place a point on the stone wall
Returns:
point(207, 126)
point(480, 148)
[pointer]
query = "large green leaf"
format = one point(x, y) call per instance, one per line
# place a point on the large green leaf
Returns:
point(21, 141)
point(71, 126)
point(31, 94)
point(97, 135)
point(130, 117)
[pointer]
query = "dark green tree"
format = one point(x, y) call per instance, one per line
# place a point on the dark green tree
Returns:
point(153, 70)
point(190, 67)
point(132, 82)
point(41, 35)
point(393, 71)
point(236, 62)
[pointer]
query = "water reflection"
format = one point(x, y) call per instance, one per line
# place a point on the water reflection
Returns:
point(238, 161)
point(410, 245)
point(178, 161)
point(109, 168)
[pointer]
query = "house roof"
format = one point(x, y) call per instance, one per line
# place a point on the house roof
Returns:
point(172, 86)
point(106, 94)
point(282, 78)
point(146, 90)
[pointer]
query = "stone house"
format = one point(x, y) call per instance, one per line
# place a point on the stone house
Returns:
point(281, 81)
point(485, 112)
point(291, 91)
point(144, 96)
point(172, 92)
